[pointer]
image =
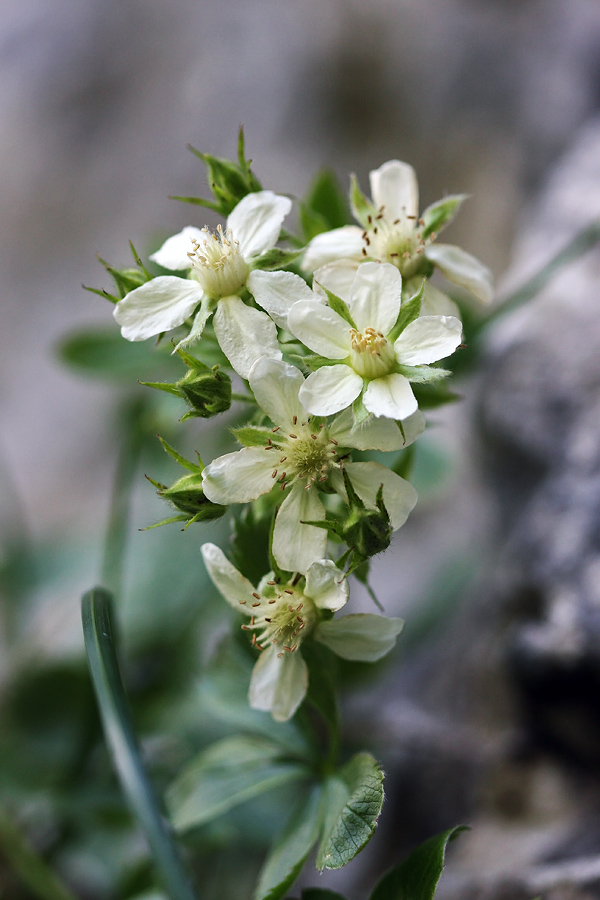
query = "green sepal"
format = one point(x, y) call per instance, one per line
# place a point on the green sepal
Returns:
point(313, 361)
point(126, 280)
point(360, 413)
point(360, 205)
point(101, 293)
point(409, 311)
point(187, 495)
point(352, 803)
point(229, 181)
point(361, 573)
point(190, 466)
point(168, 521)
point(254, 435)
point(340, 307)
point(417, 877)
point(276, 258)
point(197, 201)
point(441, 213)
point(422, 374)
point(162, 386)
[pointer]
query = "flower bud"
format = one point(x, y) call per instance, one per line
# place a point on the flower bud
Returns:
point(186, 495)
point(208, 391)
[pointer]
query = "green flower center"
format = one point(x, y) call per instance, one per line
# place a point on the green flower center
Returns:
point(399, 242)
point(304, 451)
point(218, 263)
point(371, 354)
point(280, 615)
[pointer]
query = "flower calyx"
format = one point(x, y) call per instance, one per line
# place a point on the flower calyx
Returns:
point(206, 390)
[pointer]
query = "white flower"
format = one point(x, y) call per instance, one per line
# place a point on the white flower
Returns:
point(392, 232)
point(281, 617)
point(302, 455)
point(365, 355)
point(221, 267)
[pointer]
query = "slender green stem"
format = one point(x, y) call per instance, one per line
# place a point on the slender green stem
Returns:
point(243, 398)
point(582, 242)
point(35, 874)
point(122, 744)
point(116, 531)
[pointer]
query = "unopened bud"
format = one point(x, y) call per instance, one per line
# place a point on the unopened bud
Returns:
point(187, 495)
point(208, 391)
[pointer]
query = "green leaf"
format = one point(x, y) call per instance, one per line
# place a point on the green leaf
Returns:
point(102, 353)
point(325, 206)
point(226, 774)
point(321, 894)
point(352, 805)
point(409, 311)
point(360, 412)
point(277, 258)
point(441, 213)
point(416, 878)
point(253, 435)
point(362, 208)
point(291, 850)
point(121, 741)
point(434, 394)
point(340, 307)
point(422, 374)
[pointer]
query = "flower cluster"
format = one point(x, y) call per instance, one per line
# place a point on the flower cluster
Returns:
point(331, 342)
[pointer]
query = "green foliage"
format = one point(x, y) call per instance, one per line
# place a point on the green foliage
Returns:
point(352, 803)
point(324, 206)
point(225, 775)
point(125, 280)
point(187, 493)
point(228, 181)
point(417, 877)
point(103, 354)
point(362, 208)
point(291, 850)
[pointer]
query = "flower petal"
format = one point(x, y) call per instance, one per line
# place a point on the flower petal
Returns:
point(157, 306)
point(398, 495)
point(256, 221)
point(236, 589)
point(463, 269)
point(244, 334)
point(394, 185)
point(320, 328)
point(390, 396)
point(174, 252)
point(297, 546)
point(330, 389)
point(276, 292)
point(337, 277)
point(341, 243)
point(375, 296)
point(326, 585)
point(238, 477)
point(275, 385)
point(279, 683)
point(363, 637)
point(376, 433)
point(428, 339)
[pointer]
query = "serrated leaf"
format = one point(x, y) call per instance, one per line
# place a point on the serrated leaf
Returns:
point(291, 850)
point(226, 774)
point(409, 311)
point(276, 258)
point(416, 878)
point(354, 797)
point(441, 213)
point(361, 206)
point(253, 435)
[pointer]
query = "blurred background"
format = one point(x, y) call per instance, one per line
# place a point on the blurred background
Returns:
point(488, 713)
